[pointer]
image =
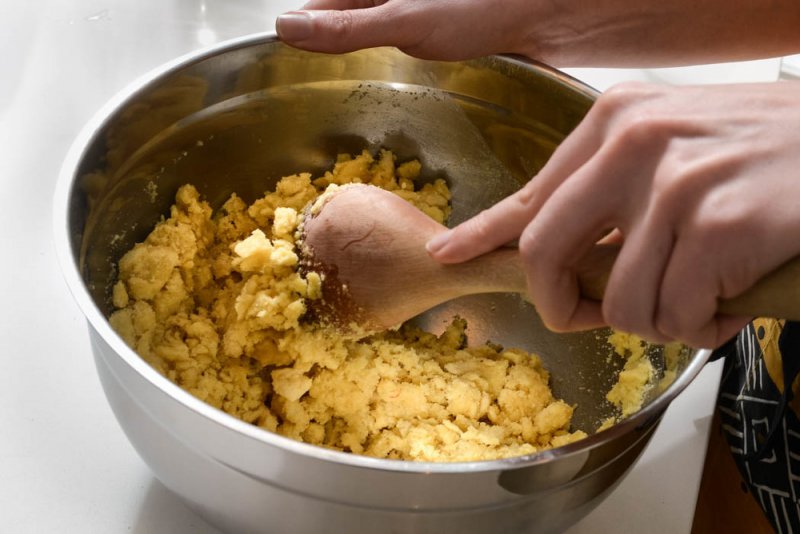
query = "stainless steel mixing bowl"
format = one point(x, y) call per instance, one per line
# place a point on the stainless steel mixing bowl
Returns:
point(234, 119)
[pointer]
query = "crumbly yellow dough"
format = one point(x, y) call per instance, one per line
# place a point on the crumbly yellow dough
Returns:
point(214, 301)
point(636, 376)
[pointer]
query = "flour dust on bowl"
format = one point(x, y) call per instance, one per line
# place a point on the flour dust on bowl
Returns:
point(236, 118)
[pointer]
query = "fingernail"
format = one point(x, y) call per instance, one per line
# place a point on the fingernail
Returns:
point(437, 242)
point(294, 26)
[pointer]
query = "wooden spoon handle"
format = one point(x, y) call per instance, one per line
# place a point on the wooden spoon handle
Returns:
point(776, 295)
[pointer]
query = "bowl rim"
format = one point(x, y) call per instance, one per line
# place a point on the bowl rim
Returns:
point(66, 181)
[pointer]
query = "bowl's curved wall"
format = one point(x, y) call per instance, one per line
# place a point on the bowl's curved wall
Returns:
point(234, 119)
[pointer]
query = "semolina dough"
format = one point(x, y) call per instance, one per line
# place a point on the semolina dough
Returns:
point(214, 301)
point(635, 377)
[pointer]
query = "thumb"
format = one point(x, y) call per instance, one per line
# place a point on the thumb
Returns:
point(339, 31)
point(488, 230)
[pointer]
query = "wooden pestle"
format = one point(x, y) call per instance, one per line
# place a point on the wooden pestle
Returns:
point(369, 245)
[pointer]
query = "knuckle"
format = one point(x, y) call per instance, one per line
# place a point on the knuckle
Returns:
point(687, 170)
point(479, 227)
point(673, 324)
point(712, 231)
point(558, 318)
point(717, 229)
point(619, 314)
point(669, 324)
point(418, 35)
point(736, 278)
point(340, 24)
point(642, 128)
point(721, 215)
point(620, 97)
point(533, 249)
point(631, 89)
point(527, 195)
point(615, 315)
point(634, 116)
point(673, 180)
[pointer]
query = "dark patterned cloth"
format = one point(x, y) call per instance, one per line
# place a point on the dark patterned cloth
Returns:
point(759, 407)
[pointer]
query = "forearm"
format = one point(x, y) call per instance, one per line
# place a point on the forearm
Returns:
point(560, 32)
point(634, 33)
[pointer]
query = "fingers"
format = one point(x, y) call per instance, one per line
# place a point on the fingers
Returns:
point(552, 246)
point(505, 221)
point(338, 26)
point(611, 190)
point(341, 4)
point(635, 166)
point(618, 188)
point(632, 294)
point(440, 30)
point(580, 202)
point(689, 297)
point(488, 230)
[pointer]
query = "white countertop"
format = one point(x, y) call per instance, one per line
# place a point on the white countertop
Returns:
point(65, 465)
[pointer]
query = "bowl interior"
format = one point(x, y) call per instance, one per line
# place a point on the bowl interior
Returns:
point(240, 120)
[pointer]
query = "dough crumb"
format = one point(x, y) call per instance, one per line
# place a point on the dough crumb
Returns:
point(636, 376)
